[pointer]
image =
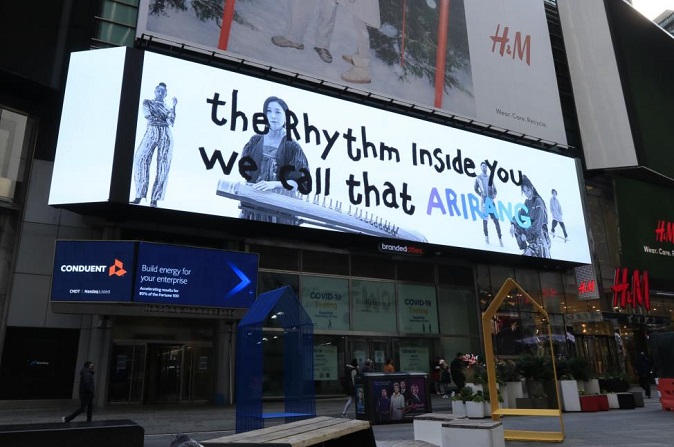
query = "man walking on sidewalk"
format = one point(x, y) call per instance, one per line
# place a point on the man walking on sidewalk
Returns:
point(86, 393)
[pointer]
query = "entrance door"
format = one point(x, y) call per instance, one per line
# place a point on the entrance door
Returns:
point(376, 349)
point(126, 373)
point(164, 373)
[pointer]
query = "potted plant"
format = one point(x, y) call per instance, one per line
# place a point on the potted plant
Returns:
point(568, 388)
point(459, 401)
point(475, 406)
point(534, 369)
point(508, 374)
point(487, 402)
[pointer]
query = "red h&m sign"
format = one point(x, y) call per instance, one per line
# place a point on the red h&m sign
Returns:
point(633, 291)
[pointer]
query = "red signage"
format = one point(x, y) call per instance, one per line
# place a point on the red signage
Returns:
point(630, 289)
point(664, 231)
point(587, 286)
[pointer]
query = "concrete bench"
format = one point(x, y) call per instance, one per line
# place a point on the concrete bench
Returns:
point(466, 432)
point(428, 426)
point(626, 401)
point(113, 433)
point(324, 431)
point(638, 398)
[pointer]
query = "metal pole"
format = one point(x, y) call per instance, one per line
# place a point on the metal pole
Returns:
point(227, 17)
point(441, 54)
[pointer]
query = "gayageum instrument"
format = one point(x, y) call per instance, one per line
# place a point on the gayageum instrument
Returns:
point(319, 211)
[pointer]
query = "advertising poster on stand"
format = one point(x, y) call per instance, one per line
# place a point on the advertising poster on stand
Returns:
point(397, 399)
point(390, 48)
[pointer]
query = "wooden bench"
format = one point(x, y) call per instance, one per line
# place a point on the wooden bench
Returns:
point(323, 430)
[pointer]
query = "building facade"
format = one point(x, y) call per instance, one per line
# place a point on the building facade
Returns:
point(409, 306)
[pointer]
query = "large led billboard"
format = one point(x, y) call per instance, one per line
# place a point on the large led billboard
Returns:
point(142, 272)
point(220, 143)
point(488, 60)
point(646, 220)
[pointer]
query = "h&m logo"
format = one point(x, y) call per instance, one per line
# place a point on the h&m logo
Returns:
point(664, 231)
point(521, 48)
point(633, 291)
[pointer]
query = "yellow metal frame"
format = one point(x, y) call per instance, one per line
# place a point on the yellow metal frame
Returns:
point(517, 435)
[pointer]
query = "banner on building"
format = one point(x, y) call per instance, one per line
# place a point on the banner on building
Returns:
point(497, 68)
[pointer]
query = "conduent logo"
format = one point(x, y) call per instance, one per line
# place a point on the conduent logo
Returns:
point(116, 269)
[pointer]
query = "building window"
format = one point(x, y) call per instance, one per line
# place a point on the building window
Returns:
point(15, 137)
point(117, 23)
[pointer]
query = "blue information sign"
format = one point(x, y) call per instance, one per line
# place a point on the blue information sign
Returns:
point(169, 274)
point(92, 271)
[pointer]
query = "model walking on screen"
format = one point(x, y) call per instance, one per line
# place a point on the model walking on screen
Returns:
point(158, 137)
point(487, 192)
point(557, 218)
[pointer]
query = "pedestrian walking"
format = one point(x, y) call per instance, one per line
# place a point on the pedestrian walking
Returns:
point(87, 389)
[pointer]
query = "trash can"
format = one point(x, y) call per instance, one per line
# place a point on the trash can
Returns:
point(391, 398)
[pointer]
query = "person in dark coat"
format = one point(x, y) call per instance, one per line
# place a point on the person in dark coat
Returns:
point(457, 371)
point(644, 367)
point(87, 388)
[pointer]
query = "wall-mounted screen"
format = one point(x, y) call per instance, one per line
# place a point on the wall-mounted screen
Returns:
point(125, 271)
point(170, 274)
point(488, 60)
point(93, 271)
point(220, 143)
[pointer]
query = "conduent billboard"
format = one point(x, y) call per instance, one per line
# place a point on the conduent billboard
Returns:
point(320, 162)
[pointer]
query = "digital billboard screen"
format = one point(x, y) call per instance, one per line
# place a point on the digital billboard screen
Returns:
point(169, 274)
point(220, 143)
point(646, 220)
point(93, 271)
point(497, 67)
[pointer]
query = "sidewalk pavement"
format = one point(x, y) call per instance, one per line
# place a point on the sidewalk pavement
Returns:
point(649, 426)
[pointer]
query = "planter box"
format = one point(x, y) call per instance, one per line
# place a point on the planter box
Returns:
point(503, 389)
point(514, 391)
point(597, 402)
point(638, 398)
point(569, 394)
point(475, 410)
point(591, 387)
point(613, 400)
point(626, 401)
point(458, 408)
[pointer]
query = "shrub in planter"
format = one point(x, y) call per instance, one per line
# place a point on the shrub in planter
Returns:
point(578, 368)
point(458, 405)
point(506, 371)
point(475, 406)
point(534, 367)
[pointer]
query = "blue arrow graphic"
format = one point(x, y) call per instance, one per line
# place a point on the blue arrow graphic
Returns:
point(242, 276)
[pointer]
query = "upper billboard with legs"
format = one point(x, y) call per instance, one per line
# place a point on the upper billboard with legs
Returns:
point(487, 60)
